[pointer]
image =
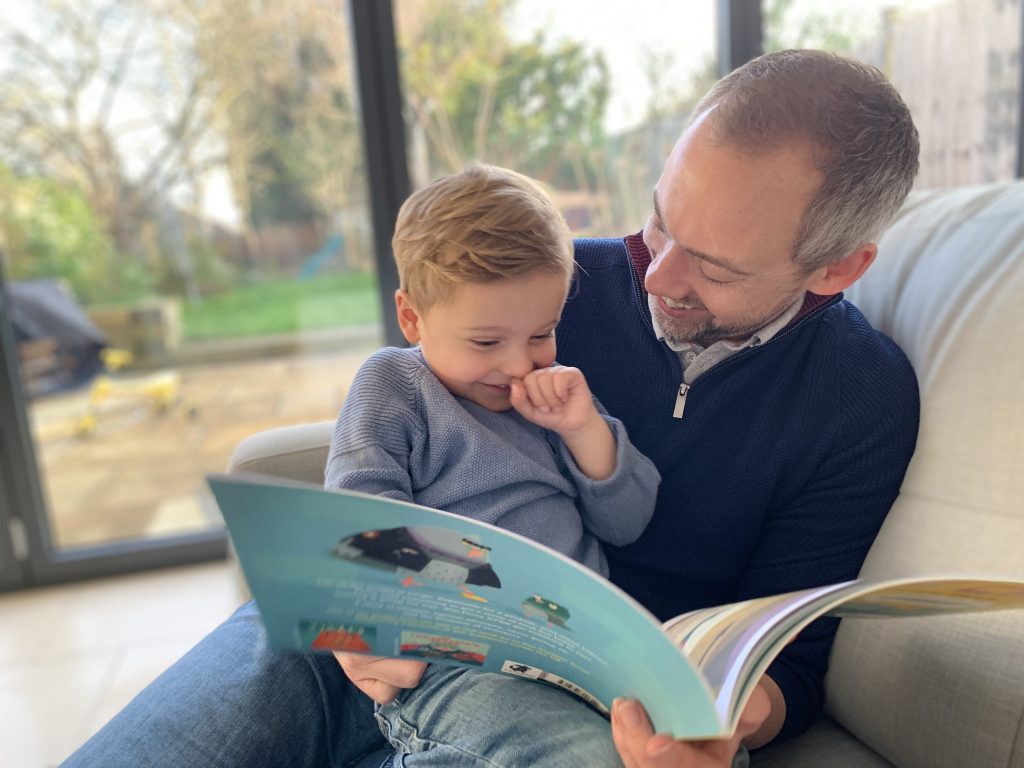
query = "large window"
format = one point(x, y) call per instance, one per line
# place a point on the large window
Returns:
point(187, 240)
point(590, 103)
point(957, 64)
point(187, 253)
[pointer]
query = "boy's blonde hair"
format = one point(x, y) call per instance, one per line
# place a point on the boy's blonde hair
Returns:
point(481, 225)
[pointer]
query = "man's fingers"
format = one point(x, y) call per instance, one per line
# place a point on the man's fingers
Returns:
point(636, 742)
point(754, 713)
point(640, 747)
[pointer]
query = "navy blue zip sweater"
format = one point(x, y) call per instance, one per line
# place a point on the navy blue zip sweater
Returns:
point(780, 472)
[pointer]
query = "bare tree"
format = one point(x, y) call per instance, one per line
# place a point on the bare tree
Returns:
point(284, 100)
point(107, 96)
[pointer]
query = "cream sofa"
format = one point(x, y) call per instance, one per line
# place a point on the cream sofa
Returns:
point(948, 286)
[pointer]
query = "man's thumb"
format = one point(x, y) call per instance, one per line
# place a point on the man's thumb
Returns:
point(756, 711)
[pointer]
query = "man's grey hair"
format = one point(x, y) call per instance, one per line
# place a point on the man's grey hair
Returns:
point(864, 140)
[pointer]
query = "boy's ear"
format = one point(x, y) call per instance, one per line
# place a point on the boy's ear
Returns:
point(408, 317)
point(837, 277)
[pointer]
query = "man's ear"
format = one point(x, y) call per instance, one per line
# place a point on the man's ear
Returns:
point(408, 317)
point(841, 275)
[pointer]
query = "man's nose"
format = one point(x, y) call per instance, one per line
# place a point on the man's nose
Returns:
point(669, 273)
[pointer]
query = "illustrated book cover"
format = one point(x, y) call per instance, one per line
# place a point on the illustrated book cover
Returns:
point(337, 570)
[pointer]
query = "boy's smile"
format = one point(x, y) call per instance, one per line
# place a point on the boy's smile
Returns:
point(484, 335)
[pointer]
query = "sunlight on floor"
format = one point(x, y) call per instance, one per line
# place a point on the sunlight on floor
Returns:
point(72, 655)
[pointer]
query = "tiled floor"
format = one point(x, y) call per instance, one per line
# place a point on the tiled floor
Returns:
point(71, 656)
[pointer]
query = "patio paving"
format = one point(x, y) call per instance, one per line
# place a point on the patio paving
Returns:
point(140, 473)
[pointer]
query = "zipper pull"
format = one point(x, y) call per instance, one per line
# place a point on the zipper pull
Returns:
point(677, 412)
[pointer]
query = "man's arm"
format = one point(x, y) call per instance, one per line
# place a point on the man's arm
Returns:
point(823, 535)
point(819, 534)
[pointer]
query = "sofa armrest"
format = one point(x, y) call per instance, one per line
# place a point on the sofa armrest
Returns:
point(295, 453)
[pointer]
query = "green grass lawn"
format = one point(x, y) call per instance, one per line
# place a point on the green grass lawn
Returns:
point(284, 307)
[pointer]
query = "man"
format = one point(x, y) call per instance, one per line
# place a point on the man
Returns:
point(781, 422)
point(796, 420)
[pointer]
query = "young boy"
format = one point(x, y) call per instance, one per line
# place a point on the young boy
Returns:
point(478, 420)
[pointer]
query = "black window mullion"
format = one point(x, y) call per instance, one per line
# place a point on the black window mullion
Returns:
point(387, 168)
point(740, 33)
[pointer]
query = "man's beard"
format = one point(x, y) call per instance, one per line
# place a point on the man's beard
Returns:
point(708, 331)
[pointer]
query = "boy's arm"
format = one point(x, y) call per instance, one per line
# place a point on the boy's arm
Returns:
point(558, 399)
point(373, 457)
point(617, 485)
point(373, 436)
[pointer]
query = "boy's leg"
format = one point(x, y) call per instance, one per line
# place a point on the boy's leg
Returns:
point(459, 717)
point(232, 701)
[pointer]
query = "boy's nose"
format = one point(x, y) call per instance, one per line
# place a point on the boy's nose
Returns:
point(518, 362)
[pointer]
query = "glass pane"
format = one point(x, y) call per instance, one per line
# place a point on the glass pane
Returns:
point(956, 63)
point(590, 103)
point(188, 243)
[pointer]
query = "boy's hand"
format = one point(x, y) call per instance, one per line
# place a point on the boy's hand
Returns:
point(556, 398)
point(380, 678)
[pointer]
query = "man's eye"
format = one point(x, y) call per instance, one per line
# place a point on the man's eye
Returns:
point(716, 282)
point(712, 280)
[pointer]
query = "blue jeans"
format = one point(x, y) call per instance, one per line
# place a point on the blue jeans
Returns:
point(461, 718)
point(232, 701)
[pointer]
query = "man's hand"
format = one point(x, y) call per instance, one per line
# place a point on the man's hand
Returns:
point(380, 678)
point(640, 747)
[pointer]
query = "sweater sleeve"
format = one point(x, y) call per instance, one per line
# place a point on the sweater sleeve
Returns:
point(616, 510)
point(374, 434)
point(822, 536)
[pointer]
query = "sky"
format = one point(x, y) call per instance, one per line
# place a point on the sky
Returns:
point(684, 29)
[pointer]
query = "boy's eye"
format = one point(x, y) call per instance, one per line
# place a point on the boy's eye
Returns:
point(483, 342)
point(543, 336)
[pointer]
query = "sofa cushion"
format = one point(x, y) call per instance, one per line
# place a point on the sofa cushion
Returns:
point(825, 745)
point(948, 286)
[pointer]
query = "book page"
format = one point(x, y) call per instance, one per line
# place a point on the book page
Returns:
point(733, 645)
point(332, 570)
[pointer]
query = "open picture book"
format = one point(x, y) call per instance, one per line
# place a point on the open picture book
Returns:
point(336, 570)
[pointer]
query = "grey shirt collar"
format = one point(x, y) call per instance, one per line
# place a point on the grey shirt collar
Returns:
point(696, 359)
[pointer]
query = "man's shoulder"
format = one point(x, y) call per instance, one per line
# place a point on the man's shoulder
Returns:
point(598, 252)
point(848, 327)
point(863, 357)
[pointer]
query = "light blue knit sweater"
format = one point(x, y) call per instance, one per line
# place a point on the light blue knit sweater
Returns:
point(401, 434)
